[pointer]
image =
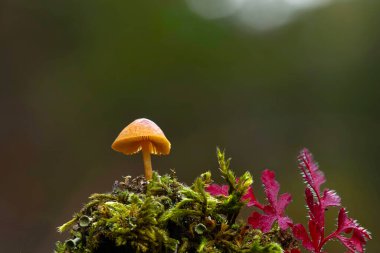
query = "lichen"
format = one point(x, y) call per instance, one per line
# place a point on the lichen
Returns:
point(165, 215)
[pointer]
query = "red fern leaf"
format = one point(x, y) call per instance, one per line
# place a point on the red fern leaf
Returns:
point(310, 172)
point(317, 204)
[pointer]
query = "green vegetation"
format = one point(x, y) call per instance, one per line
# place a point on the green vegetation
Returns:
point(165, 215)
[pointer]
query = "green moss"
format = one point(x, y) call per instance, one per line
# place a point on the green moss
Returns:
point(165, 215)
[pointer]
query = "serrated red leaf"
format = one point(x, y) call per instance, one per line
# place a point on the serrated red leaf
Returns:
point(330, 198)
point(347, 225)
point(310, 171)
point(317, 204)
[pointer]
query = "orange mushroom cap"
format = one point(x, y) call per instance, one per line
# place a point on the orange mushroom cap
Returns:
point(141, 131)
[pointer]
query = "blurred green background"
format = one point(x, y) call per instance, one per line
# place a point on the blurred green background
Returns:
point(74, 73)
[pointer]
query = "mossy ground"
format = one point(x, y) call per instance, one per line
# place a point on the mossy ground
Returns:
point(165, 215)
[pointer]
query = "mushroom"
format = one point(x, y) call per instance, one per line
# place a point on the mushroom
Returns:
point(142, 134)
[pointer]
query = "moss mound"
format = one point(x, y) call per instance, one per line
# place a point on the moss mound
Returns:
point(165, 215)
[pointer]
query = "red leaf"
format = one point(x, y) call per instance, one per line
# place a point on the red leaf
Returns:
point(252, 201)
point(271, 188)
point(316, 212)
point(262, 222)
point(317, 204)
point(300, 233)
point(330, 198)
point(217, 190)
point(283, 202)
point(310, 172)
point(275, 210)
point(347, 225)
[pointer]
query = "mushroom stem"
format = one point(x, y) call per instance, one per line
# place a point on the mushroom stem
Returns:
point(147, 161)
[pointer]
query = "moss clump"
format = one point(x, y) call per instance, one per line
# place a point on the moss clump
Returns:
point(165, 215)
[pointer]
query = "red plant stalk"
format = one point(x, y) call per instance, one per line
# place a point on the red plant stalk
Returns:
point(318, 203)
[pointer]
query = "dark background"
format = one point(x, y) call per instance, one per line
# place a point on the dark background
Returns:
point(74, 73)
